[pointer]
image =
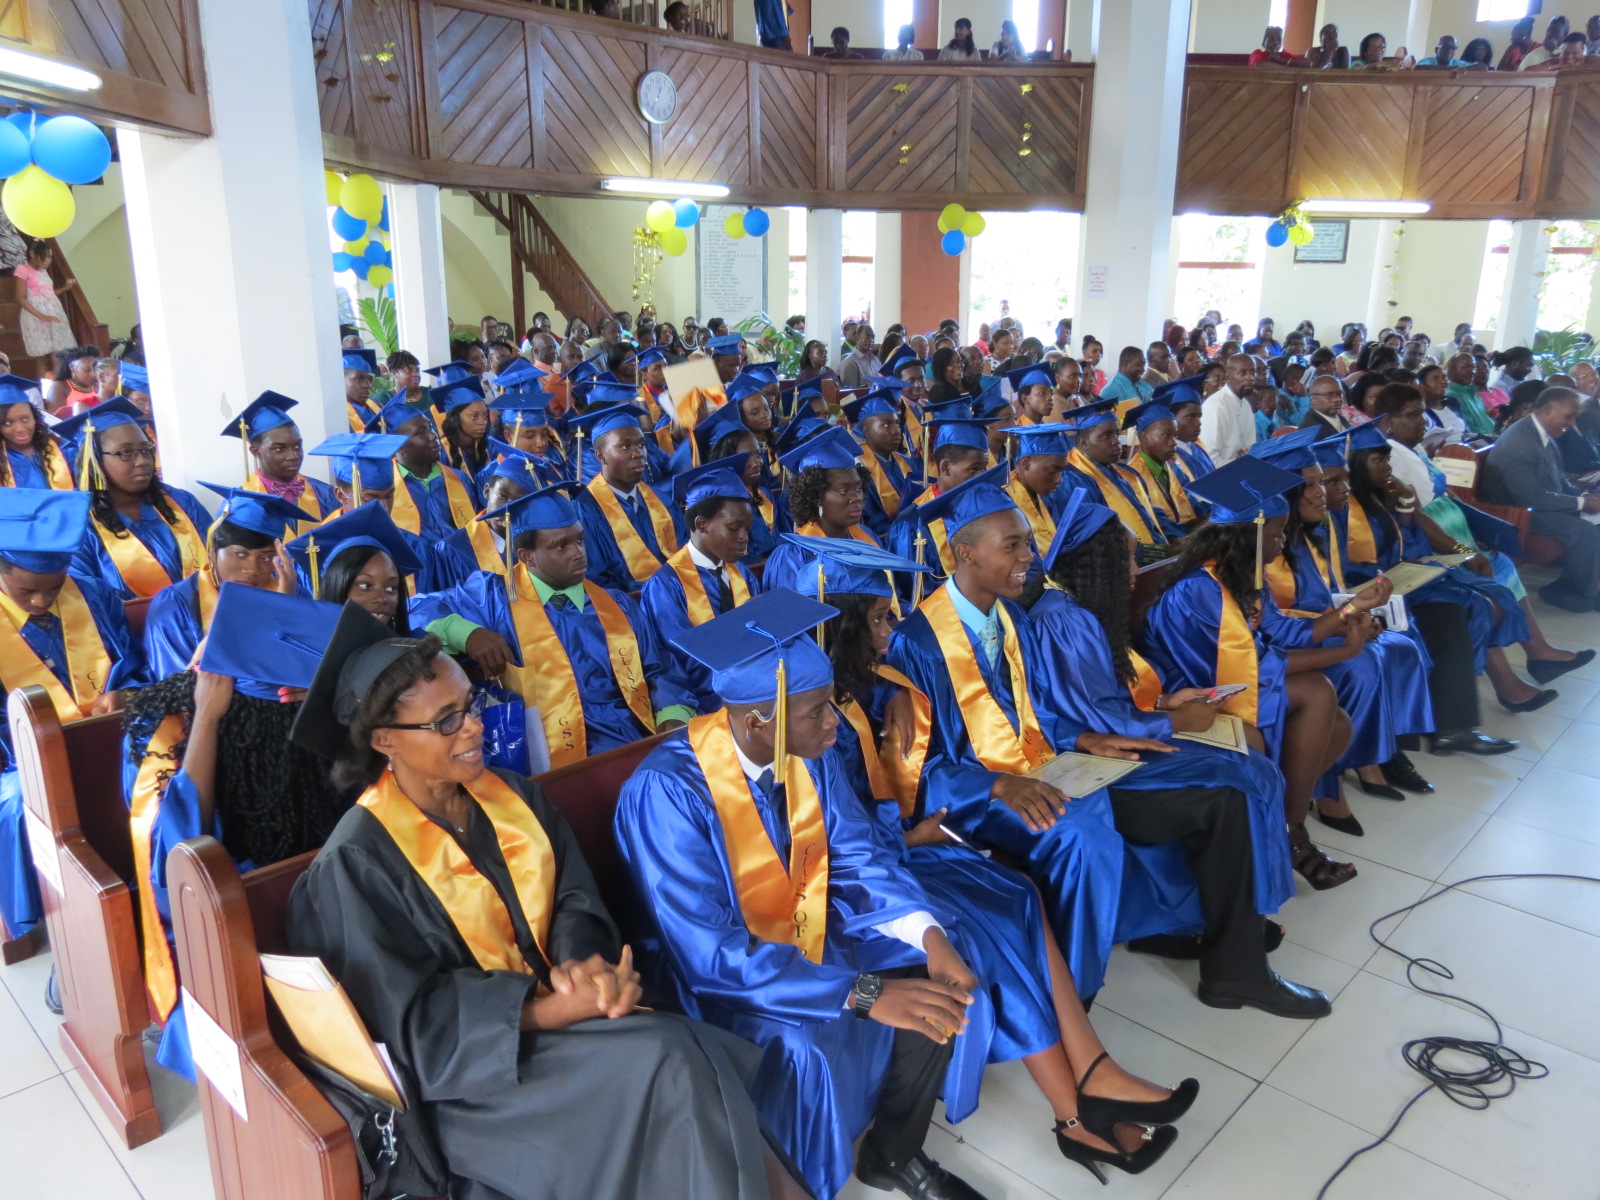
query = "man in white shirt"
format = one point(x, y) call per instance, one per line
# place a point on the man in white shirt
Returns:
point(1554, 34)
point(1227, 422)
point(905, 52)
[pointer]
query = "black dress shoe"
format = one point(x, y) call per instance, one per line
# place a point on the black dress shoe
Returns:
point(920, 1178)
point(1402, 773)
point(1471, 742)
point(1543, 670)
point(1275, 995)
point(1186, 947)
point(1382, 791)
point(1539, 701)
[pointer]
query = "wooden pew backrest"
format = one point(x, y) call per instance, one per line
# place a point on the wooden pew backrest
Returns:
point(1537, 548)
point(586, 793)
point(1147, 589)
point(136, 610)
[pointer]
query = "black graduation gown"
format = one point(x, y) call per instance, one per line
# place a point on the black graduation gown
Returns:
point(649, 1105)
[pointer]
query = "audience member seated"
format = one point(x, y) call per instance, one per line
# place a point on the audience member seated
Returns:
point(840, 37)
point(1328, 53)
point(1548, 51)
point(1444, 54)
point(905, 50)
point(1271, 53)
point(960, 48)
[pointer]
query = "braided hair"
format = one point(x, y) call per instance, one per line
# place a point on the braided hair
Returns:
point(273, 798)
point(1096, 576)
point(1234, 549)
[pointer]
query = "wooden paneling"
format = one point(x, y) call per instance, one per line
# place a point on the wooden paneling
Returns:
point(881, 121)
point(788, 101)
point(382, 43)
point(593, 127)
point(714, 141)
point(1573, 189)
point(1215, 160)
point(1356, 142)
point(1053, 110)
point(14, 20)
point(334, 84)
point(142, 38)
point(1474, 142)
point(483, 101)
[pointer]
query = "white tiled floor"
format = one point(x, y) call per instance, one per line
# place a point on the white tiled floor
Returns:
point(1281, 1102)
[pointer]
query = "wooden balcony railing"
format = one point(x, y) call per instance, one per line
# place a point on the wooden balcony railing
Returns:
point(537, 250)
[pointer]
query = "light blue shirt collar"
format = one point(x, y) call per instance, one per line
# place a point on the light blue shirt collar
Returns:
point(973, 617)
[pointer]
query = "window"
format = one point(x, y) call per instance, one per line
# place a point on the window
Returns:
point(1568, 277)
point(1025, 13)
point(895, 14)
point(857, 275)
point(797, 259)
point(1217, 268)
point(1278, 13)
point(1037, 297)
point(1492, 281)
point(1502, 10)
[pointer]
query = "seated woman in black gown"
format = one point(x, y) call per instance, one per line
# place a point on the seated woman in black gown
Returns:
point(454, 907)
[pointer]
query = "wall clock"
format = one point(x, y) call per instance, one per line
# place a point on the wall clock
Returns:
point(657, 97)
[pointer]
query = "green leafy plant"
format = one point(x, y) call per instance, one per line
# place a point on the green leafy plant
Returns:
point(784, 342)
point(1558, 351)
point(377, 322)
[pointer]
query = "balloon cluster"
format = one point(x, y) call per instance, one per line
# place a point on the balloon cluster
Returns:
point(958, 226)
point(668, 219)
point(38, 159)
point(361, 220)
point(1291, 226)
point(752, 222)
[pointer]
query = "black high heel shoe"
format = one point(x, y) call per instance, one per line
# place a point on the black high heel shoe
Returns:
point(1346, 825)
point(1101, 1113)
point(1156, 1143)
point(1383, 791)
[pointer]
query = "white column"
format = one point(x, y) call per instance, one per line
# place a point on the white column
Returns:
point(1385, 260)
point(1140, 48)
point(1418, 24)
point(416, 242)
point(1519, 303)
point(824, 278)
point(1080, 29)
point(229, 240)
point(886, 272)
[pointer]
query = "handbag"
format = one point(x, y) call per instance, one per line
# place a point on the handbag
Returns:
point(395, 1148)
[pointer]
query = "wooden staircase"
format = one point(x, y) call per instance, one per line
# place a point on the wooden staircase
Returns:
point(537, 251)
point(86, 328)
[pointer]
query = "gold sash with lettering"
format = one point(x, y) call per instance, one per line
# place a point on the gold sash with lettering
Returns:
point(308, 500)
point(160, 763)
point(1238, 660)
point(1037, 512)
point(468, 898)
point(786, 906)
point(1174, 503)
point(546, 678)
point(404, 506)
point(1113, 497)
point(998, 746)
point(141, 572)
point(902, 765)
point(88, 665)
point(637, 556)
point(694, 588)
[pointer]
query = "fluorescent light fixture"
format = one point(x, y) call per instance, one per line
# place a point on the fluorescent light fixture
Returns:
point(663, 187)
point(1367, 208)
point(44, 70)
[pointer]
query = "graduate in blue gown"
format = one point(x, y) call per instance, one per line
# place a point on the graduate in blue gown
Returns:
point(33, 458)
point(360, 557)
point(58, 631)
point(245, 546)
point(724, 435)
point(826, 497)
point(207, 752)
point(480, 546)
point(143, 534)
point(274, 442)
point(523, 425)
point(431, 498)
point(959, 452)
point(462, 414)
point(577, 656)
point(602, 394)
point(1183, 398)
point(629, 530)
point(875, 419)
point(813, 960)
point(1095, 464)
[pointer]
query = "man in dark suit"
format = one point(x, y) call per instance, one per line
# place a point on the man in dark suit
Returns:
point(1326, 394)
point(1524, 468)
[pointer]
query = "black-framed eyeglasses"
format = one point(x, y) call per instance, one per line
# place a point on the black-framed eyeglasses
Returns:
point(450, 724)
point(132, 454)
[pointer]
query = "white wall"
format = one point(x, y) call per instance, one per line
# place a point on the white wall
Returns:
point(1459, 18)
point(96, 247)
point(1357, 18)
point(1225, 26)
point(1328, 294)
point(1440, 262)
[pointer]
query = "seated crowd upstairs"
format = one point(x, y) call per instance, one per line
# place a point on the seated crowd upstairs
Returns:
point(1562, 48)
point(864, 614)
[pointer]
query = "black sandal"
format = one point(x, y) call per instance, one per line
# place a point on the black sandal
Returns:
point(1315, 867)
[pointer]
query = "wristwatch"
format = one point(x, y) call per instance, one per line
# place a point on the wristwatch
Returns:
point(867, 990)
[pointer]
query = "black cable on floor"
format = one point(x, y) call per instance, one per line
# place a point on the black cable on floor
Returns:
point(1496, 1068)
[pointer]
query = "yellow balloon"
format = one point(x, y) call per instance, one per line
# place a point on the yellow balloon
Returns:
point(973, 224)
point(734, 225)
point(674, 242)
point(1302, 233)
point(332, 184)
point(357, 249)
point(950, 218)
point(39, 205)
point(378, 276)
point(660, 216)
point(360, 196)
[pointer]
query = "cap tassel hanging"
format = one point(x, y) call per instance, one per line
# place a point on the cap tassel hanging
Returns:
point(355, 482)
point(780, 717)
point(511, 565)
point(577, 454)
point(820, 589)
point(90, 476)
point(916, 593)
point(244, 446)
point(312, 553)
point(1261, 530)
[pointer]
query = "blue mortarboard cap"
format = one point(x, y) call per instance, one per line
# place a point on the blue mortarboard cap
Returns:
point(648, 358)
point(887, 383)
point(547, 508)
point(519, 372)
point(833, 450)
point(1291, 451)
point(360, 360)
point(108, 414)
point(455, 395)
point(903, 356)
point(724, 478)
point(370, 525)
point(598, 421)
point(808, 388)
point(451, 371)
point(1042, 439)
point(135, 377)
point(512, 465)
point(806, 425)
point(1029, 376)
point(270, 516)
point(764, 373)
point(743, 647)
point(1244, 489)
point(14, 389)
point(726, 346)
point(718, 425)
point(1081, 517)
point(878, 403)
point(585, 370)
point(960, 431)
point(530, 404)
point(604, 392)
point(938, 410)
point(1329, 451)
point(40, 529)
point(265, 413)
point(1142, 416)
point(393, 415)
point(1368, 435)
point(268, 636)
point(1086, 416)
point(978, 497)
point(374, 451)
point(849, 567)
point(1178, 391)
point(744, 385)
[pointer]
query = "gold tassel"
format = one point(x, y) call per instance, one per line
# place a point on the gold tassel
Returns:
point(355, 483)
point(916, 593)
point(780, 715)
point(577, 455)
point(1261, 530)
point(312, 552)
point(244, 446)
point(820, 590)
point(511, 563)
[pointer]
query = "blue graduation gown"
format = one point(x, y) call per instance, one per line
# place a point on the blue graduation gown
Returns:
point(1158, 893)
point(91, 559)
point(20, 905)
point(1155, 530)
point(1077, 863)
point(791, 566)
point(666, 611)
point(453, 561)
point(821, 1068)
point(1196, 458)
point(26, 471)
point(433, 501)
point(608, 721)
point(764, 537)
point(607, 567)
point(172, 632)
point(874, 516)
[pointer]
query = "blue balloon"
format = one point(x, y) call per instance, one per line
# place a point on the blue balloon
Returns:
point(341, 262)
point(349, 227)
point(685, 213)
point(756, 223)
point(383, 221)
point(14, 151)
point(24, 121)
point(359, 266)
point(953, 243)
point(71, 149)
point(1277, 233)
point(376, 255)
point(388, 290)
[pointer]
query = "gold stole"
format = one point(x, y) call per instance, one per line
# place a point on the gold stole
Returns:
point(1173, 503)
point(936, 532)
point(1113, 497)
point(1283, 586)
point(155, 769)
point(1363, 543)
point(768, 512)
point(694, 588)
point(1146, 686)
point(998, 746)
point(913, 428)
point(481, 538)
point(787, 906)
point(88, 665)
point(1332, 567)
point(641, 563)
point(307, 501)
point(651, 405)
point(546, 678)
point(468, 898)
point(403, 509)
point(887, 495)
point(902, 765)
point(141, 572)
point(1238, 659)
point(1037, 512)
point(858, 533)
point(54, 466)
point(852, 712)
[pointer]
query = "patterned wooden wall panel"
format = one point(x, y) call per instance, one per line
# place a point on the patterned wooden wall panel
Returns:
point(1475, 143)
point(1217, 157)
point(788, 128)
point(1579, 183)
point(383, 47)
point(591, 124)
point(880, 120)
point(142, 38)
point(1354, 141)
point(483, 89)
point(332, 67)
point(1053, 108)
point(709, 139)
point(14, 20)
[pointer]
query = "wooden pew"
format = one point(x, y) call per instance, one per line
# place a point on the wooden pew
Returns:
point(1147, 589)
point(72, 789)
point(136, 611)
point(1536, 547)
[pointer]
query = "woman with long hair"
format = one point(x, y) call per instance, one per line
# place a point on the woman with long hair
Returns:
point(33, 458)
point(814, 363)
point(464, 431)
point(949, 375)
point(827, 497)
point(962, 47)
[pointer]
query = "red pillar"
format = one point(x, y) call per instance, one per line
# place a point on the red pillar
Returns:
point(1299, 31)
point(925, 19)
point(930, 280)
point(1053, 26)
